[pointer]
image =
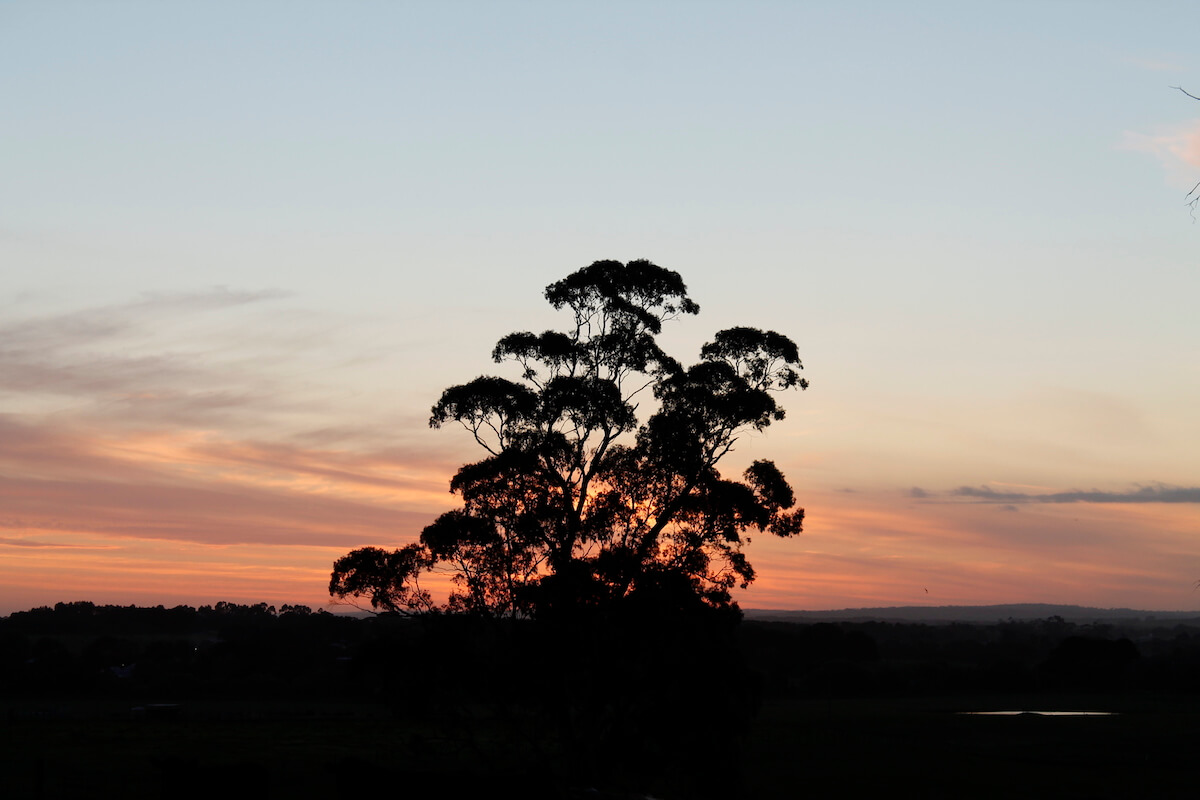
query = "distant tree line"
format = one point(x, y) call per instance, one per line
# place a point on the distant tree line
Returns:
point(259, 651)
point(856, 659)
point(84, 616)
point(159, 653)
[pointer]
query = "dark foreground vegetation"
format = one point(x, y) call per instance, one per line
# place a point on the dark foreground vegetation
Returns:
point(240, 701)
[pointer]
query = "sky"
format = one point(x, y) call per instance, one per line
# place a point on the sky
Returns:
point(244, 247)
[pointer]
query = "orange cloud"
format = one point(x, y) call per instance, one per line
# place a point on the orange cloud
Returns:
point(132, 516)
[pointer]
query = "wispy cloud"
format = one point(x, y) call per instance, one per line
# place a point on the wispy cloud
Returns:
point(1137, 493)
point(1154, 64)
point(204, 513)
point(87, 327)
point(188, 486)
point(158, 357)
point(1177, 148)
point(1141, 494)
point(9, 541)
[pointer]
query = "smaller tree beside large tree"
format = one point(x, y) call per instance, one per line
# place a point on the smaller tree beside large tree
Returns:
point(599, 488)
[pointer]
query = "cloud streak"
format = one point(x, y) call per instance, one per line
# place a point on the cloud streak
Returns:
point(188, 487)
point(1154, 64)
point(1142, 494)
point(160, 359)
point(8, 541)
point(88, 326)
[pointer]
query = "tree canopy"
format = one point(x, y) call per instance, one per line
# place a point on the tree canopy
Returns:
point(599, 484)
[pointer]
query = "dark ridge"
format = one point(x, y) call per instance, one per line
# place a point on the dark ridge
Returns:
point(980, 614)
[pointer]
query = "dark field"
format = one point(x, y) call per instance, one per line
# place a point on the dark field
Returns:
point(268, 707)
point(920, 748)
point(814, 748)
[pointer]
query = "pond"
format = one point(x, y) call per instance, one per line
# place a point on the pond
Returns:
point(1040, 713)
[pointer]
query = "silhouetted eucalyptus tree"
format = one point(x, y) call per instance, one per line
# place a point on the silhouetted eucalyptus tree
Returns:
point(577, 504)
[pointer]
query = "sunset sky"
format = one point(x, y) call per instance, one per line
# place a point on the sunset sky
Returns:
point(244, 246)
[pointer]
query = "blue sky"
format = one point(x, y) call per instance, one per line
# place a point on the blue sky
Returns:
point(285, 227)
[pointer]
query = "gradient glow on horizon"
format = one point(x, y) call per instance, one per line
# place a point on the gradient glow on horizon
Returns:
point(244, 247)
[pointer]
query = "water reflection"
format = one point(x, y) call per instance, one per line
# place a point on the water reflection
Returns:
point(1040, 713)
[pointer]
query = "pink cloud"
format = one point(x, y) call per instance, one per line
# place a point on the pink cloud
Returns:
point(1155, 64)
point(1177, 148)
point(187, 487)
point(181, 516)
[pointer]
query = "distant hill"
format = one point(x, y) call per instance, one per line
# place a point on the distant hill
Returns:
point(977, 614)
